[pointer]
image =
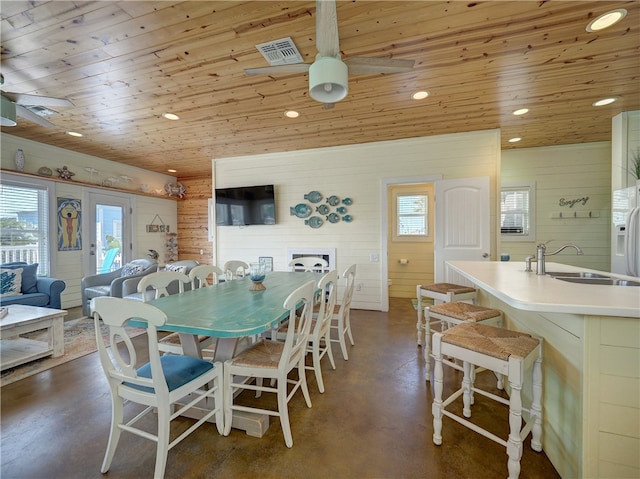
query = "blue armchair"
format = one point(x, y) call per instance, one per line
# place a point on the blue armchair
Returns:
point(35, 290)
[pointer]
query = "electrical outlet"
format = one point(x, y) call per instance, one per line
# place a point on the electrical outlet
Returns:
point(374, 257)
point(201, 252)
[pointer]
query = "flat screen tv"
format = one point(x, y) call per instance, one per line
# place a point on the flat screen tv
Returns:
point(245, 205)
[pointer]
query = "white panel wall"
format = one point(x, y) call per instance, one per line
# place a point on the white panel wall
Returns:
point(569, 172)
point(353, 171)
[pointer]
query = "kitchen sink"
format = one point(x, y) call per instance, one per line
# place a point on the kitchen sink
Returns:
point(603, 280)
point(578, 274)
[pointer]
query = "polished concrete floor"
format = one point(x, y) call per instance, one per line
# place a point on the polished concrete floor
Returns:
point(373, 421)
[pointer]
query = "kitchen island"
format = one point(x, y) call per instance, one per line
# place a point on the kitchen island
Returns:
point(591, 361)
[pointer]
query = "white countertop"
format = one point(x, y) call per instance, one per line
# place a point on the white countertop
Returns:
point(531, 292)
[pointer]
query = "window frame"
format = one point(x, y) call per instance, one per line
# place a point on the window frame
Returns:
point(530, 187)
point(411, 238)
point(46, 267)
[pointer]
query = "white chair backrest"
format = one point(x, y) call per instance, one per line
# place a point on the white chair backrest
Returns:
point(199, 275)
point(309, 263)
point(350, 276)
point(300, 306)
point(328, 286)
point(236, 269)
point(159, 281)
point(122, 367)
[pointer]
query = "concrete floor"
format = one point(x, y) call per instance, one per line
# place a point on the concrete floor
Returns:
point(373, 421)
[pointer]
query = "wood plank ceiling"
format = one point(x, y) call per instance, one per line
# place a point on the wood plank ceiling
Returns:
point(125, 63)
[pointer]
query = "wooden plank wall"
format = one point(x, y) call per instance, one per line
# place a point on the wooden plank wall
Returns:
point(193, 216)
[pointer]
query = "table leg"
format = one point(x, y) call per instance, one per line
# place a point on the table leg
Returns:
point(56, 332)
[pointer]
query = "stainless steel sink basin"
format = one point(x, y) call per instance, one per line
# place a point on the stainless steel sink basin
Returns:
point(600, 281)
point(577, 274)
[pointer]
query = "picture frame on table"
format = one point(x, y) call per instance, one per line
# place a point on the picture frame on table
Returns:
point(267, 261)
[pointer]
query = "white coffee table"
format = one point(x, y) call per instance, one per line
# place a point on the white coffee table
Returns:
point(16, 350)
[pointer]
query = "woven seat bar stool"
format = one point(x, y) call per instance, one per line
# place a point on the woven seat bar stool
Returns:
point(506, 352)
point(440, 293)
point(450, 314)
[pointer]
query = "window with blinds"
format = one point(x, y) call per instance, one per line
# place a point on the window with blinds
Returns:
point(516, 211)
point(412, 215)
point(24, 224)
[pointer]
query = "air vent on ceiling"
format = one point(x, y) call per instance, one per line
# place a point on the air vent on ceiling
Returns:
point(40, 110)
point(280, 52)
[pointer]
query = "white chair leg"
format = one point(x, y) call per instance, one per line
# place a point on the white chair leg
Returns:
point(436, 409)
point(316, 366)
point(466, 388)
point(284, 413)
point(327, 342)
point(514, 443)
point(117, 416)
point(164, 416)
point(347, 324)
point(419, 314)
point(227, 402)
point(303, 382)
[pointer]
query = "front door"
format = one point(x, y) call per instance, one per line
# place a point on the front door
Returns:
point(463, 228)
point(109, 227)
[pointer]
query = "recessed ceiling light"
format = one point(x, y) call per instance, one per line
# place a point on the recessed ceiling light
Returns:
point(172, 170)
point(606, 20)
point(521, 111)
point(170, 116)
point(74, 133)
point(604, 101)
point(515, 140)
point(291, 114)
point(420, 95)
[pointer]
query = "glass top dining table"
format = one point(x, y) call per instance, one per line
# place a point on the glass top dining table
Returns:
point(229, 309)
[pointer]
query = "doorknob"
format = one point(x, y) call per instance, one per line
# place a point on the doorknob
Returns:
point(485, 255)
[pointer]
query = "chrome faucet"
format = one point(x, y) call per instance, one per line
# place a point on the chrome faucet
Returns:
point(541, 254)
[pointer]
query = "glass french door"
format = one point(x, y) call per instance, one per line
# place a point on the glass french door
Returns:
point(109, 226)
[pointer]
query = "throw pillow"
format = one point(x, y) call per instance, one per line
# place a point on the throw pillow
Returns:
point(10, 281)
point(29, 275)
point(176, 267)
point(130, 269)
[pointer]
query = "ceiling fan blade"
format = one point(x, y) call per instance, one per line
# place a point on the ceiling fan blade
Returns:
point(37, 100)
point(327, 40)
point(31, 116)
point(367, 65)
point(278, 69)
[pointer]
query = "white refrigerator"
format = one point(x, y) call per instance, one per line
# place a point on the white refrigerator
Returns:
point(625, 241)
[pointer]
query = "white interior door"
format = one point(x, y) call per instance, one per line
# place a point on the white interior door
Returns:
point(109, 225)
point(463, 229)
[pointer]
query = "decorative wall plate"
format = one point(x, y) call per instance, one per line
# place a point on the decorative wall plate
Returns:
point(322, 209)
point(347, 218)
point(347, 201)
point(342, 210)
point(313, 196)
point(314, 222)
point(301, 210)
point(333, 200)
point(333, 218)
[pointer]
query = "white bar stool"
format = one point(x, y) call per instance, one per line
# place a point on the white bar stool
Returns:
point(504, 352)
point(450, 314)
point(440, 293)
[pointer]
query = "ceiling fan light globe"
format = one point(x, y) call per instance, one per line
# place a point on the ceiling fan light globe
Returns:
point(328, 80)
point(8, 115)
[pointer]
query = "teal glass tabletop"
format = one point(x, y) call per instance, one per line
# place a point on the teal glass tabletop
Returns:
point(230, 309)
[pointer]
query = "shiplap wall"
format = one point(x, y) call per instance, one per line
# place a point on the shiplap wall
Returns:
point(354, 171)
point(569, 172)
point(69, 265)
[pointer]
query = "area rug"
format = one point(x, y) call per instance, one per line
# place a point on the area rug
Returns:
point(79, 340)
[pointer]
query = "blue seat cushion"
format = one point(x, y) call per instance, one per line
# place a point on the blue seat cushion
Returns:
point(178, 371)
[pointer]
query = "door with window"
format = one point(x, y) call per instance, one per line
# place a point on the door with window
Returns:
point(109, 229)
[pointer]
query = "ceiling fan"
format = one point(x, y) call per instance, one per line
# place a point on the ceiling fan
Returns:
point(328, 74)
point(17, 104)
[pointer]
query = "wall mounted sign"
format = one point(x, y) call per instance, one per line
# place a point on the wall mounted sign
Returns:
point(571, 203)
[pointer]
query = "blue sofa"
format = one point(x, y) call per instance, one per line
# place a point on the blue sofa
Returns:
point(35, 290)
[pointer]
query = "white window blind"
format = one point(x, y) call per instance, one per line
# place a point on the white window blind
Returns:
point(412, 216)
point(515, 211)
point(24, 225)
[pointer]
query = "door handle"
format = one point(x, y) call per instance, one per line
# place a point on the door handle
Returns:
point(485, 255)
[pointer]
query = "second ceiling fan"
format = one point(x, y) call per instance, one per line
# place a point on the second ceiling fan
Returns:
point(328, 74)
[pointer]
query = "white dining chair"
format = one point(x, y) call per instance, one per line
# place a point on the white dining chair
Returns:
point(159, 283)
point(235, 269)
point(309, 263)
point(199, 275)
point(341, 321)
point(272, 359)
point(158, 384)
point(320, 331)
